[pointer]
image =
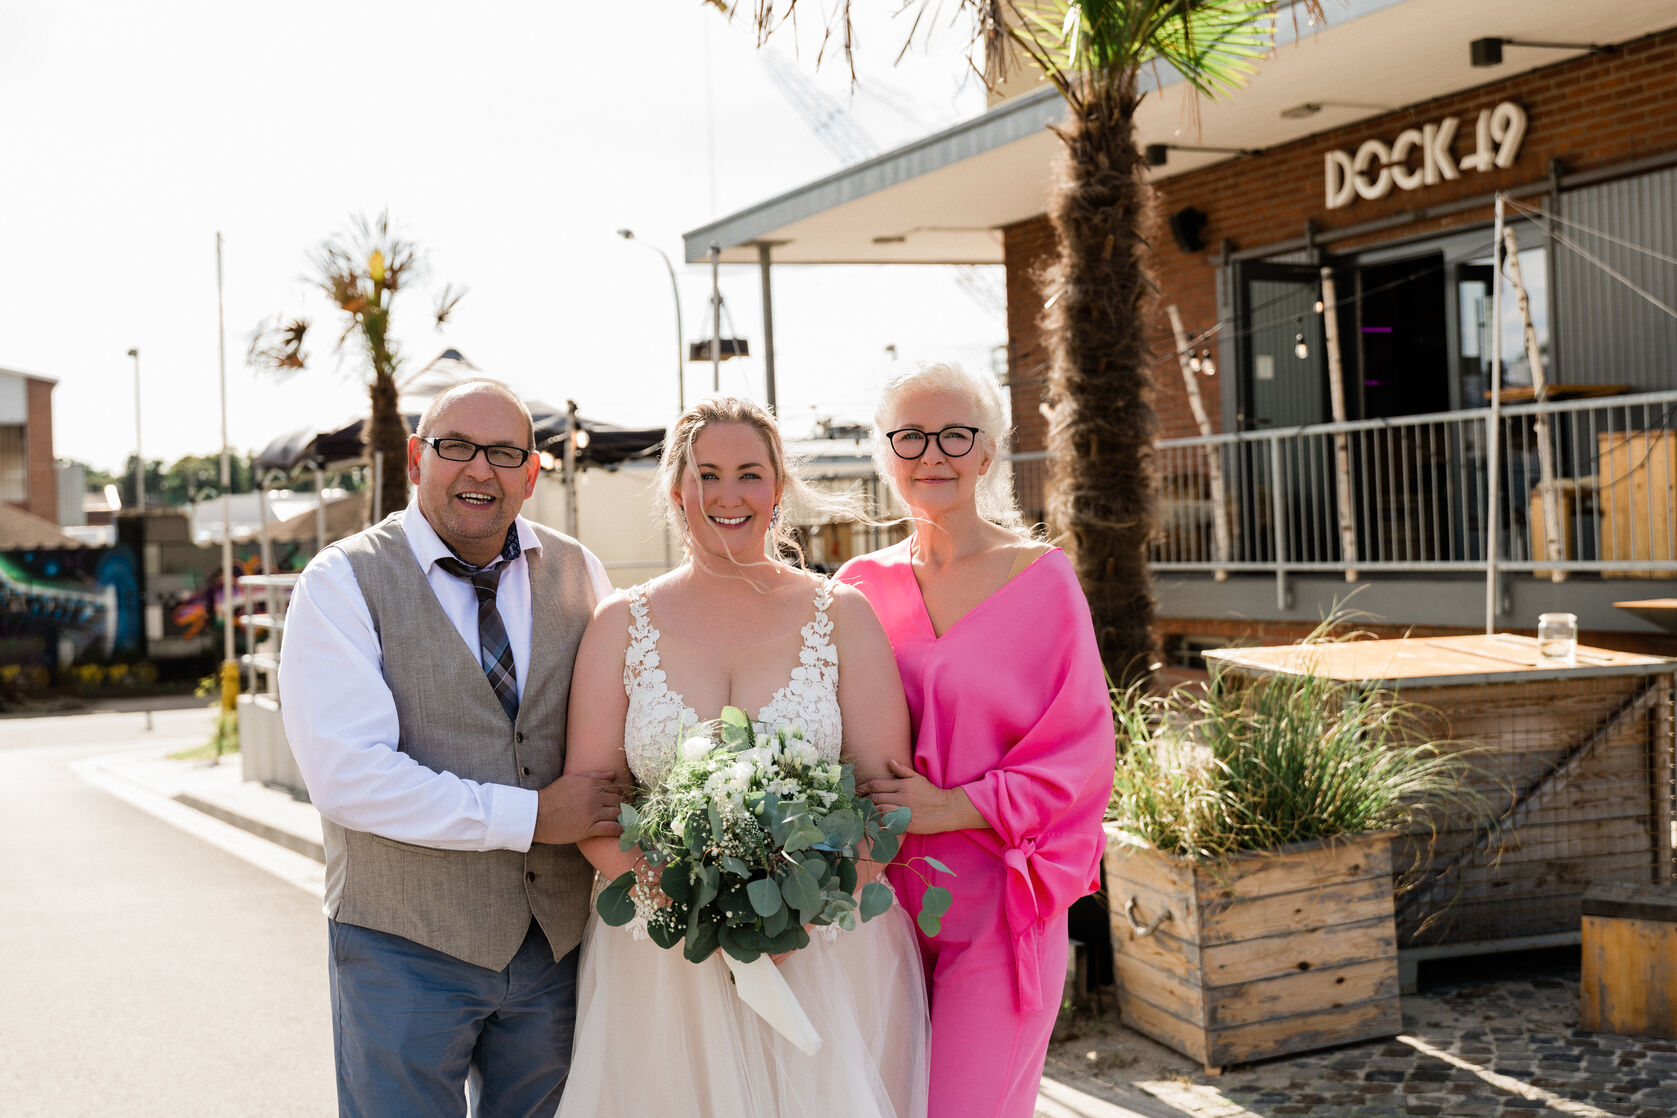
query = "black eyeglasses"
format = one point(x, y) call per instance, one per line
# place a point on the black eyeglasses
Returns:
point(954, 442)
point(459, 450)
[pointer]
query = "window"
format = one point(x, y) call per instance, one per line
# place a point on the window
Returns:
point(14, 463)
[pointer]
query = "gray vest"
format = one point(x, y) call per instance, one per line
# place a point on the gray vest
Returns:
point(474, 905)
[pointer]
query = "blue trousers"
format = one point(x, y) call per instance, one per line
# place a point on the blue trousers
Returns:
point(420, 1033)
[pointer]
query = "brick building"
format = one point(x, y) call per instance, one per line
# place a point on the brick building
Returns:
point(1337, 216)
point(28, 478)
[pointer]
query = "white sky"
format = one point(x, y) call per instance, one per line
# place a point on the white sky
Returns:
point(509, 139)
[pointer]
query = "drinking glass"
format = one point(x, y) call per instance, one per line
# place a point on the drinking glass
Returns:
point(1557, 637)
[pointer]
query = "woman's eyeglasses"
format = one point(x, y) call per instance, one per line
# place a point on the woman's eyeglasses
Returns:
point(911, 442)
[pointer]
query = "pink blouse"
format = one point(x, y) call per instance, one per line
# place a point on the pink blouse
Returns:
point(1012, 706)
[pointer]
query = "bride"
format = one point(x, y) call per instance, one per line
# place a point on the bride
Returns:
point(656, 1034)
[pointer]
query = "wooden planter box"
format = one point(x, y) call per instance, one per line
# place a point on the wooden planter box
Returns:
point(1262, 956)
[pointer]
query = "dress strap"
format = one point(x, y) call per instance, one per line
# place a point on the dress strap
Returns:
point(643, 637)
point(818, 634)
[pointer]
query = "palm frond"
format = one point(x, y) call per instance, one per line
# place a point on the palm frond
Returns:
point(446, 301)
point(276, 345)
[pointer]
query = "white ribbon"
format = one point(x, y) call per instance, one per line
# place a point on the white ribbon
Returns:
point(761, 987)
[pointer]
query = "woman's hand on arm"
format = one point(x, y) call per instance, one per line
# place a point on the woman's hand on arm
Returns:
point(932, 810)
point(594, 757)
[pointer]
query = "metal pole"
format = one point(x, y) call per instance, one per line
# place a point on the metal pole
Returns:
point(139, 457)
point(319, 509)
point(680, 345)
point(715, 317)
point(1493, 449)
point(570, 469)
point(768, 323)
point(226, 476)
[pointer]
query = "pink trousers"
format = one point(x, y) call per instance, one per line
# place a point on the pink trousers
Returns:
point(987, 1056)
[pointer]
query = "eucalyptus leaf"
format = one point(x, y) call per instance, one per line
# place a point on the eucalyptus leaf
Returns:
point(615, 904)
point(709, 882)
point(765, 896)
point(896, 820)
point(876, 899)
point(936, 900)
point(776, 923)
point(929, 924)
point(664, 935)
point(847, 876)
point(801, 892)
point(937, 865)
point(735, 866)
point(702, 940)
point(734, 716)
point(885, 847)
point(842, 828)
point(730, 940)
point(675, 882)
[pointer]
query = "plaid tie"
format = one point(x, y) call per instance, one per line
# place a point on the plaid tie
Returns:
point(494, 649)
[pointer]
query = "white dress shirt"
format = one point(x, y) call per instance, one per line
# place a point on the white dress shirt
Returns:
point(340, 717)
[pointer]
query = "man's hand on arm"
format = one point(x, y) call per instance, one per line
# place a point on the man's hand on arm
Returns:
point(577, 806)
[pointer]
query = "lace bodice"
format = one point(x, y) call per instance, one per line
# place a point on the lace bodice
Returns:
point(658, 714)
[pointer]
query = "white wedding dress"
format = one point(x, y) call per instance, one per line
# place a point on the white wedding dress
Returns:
point(658, 1035)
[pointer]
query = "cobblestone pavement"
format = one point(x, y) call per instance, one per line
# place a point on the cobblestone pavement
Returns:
point(1484, 1038)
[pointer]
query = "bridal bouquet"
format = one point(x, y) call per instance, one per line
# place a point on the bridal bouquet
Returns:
point(751, 838)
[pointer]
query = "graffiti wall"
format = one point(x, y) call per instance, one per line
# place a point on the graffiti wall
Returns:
point(61, 606)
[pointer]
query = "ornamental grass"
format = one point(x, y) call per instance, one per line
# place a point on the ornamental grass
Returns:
point(1245, 764)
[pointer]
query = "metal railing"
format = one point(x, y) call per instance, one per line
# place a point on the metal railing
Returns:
point(1414, 494)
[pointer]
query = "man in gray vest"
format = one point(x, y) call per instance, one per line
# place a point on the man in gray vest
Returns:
point(425, 681)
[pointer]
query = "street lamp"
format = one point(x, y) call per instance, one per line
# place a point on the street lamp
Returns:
point(139, 458)
point(680, 384)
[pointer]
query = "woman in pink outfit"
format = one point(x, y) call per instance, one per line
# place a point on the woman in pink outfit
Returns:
point(1013, 738)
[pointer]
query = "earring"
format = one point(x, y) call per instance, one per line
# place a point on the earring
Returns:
point(774, 516)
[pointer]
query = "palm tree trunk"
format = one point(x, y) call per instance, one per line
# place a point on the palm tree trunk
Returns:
point(388, 433)
point(1100, 441)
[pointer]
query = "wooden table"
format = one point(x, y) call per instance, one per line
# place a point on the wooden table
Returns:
point(1655, 611)
point(1575, 760)
point(1525, 393)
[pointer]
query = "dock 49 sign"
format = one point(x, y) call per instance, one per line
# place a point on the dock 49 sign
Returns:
point(1424, 156)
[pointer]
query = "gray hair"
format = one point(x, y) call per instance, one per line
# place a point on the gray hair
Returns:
point(995, 489)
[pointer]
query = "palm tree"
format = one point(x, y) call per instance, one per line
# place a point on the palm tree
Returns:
point(360, 272)
point(1097, 292)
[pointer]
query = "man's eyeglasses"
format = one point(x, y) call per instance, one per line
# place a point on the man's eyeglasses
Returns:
point(459, 450)
point(911, 442)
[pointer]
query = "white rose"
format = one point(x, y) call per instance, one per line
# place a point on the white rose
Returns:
point(695, 748)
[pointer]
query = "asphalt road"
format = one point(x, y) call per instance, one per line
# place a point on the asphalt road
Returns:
point(144, 971)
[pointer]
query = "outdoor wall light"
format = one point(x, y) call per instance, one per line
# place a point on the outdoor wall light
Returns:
point(729, 347)
point(1488, 52)
point(1157, 154)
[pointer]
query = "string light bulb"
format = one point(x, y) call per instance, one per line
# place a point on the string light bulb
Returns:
point(1300, 349)
point(1194, 362)
point(1320, 306)
point(1207, 366)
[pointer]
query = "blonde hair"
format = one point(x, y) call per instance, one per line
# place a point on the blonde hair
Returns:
point(677, 458)
point(995, 489)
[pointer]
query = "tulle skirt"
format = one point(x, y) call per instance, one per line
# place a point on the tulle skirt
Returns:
point(658, 1035)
